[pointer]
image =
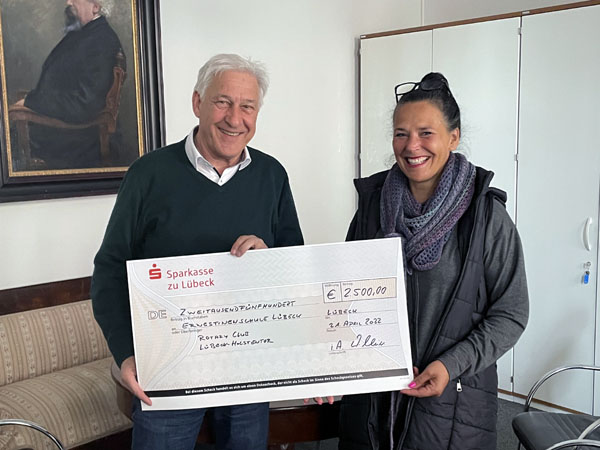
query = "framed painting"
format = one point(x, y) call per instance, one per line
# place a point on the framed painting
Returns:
point(81, 94)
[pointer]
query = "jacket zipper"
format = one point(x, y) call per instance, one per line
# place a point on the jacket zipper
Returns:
point(458, 386)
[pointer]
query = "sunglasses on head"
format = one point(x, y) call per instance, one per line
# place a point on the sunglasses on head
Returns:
point(431, 84)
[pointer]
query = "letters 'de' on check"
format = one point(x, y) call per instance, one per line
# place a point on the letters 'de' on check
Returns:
point(275, 324)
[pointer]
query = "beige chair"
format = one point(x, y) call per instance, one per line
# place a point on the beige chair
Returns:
point(106, 120)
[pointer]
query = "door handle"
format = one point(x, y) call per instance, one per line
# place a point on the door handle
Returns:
point(586, 234)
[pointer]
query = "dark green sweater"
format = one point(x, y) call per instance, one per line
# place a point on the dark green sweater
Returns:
point(167, 208)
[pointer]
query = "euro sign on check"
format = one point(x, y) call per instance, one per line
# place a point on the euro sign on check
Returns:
point(274, 324)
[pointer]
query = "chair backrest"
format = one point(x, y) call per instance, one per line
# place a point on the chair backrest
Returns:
point(113, 96)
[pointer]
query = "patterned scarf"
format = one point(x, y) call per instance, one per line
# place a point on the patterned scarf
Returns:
point(425, 228)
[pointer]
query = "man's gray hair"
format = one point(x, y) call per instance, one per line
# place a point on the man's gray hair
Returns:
point(224, 62)
point(106, 6)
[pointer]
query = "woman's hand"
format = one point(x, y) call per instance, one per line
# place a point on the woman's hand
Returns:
point(319, 400)
point(245, 243)
point(129, 380)
point(430, 383)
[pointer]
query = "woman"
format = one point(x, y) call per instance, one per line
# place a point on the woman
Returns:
point(465, 281)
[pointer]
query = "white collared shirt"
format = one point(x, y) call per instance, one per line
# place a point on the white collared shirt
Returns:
point(205, 168)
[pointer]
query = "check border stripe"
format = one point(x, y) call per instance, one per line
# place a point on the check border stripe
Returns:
point(278, 383)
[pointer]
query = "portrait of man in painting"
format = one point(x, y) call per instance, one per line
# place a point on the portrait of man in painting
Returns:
point(70, 86)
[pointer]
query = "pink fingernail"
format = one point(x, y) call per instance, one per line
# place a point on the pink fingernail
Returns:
point(412, 385)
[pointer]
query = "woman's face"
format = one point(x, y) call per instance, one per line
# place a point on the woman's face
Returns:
point(422, 145)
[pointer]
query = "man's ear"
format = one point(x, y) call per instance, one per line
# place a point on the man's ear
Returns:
point(196, 103)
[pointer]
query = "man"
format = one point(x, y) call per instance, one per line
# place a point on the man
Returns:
point(207, 193)
point(72, 87)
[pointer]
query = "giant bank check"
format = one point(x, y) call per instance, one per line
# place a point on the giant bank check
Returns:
point(275, 324)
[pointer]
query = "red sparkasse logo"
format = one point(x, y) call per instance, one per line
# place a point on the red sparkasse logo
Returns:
point(155, 273)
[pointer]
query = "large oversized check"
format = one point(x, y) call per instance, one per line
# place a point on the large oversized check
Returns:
point(275, 324)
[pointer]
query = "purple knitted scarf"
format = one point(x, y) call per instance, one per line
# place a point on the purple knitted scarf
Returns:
point(425, 228)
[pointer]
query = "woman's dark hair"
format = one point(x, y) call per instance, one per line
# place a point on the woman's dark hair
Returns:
point(435, 89)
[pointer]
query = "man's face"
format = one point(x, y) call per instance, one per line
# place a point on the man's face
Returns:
point(82, 11)
point(227, 116)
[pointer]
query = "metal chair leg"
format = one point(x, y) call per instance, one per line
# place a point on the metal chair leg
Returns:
point(35, 426)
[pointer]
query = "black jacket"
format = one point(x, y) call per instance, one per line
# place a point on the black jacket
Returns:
point(458, 419)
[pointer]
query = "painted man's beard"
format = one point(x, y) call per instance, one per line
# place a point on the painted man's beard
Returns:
point(72, 22)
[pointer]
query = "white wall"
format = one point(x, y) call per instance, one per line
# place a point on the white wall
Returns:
point(50, 240)
point(308, 121)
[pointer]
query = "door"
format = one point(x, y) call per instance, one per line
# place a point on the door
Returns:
point(558, 186)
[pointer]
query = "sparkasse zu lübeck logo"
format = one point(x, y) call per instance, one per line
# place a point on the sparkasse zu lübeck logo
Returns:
point(155, 273)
